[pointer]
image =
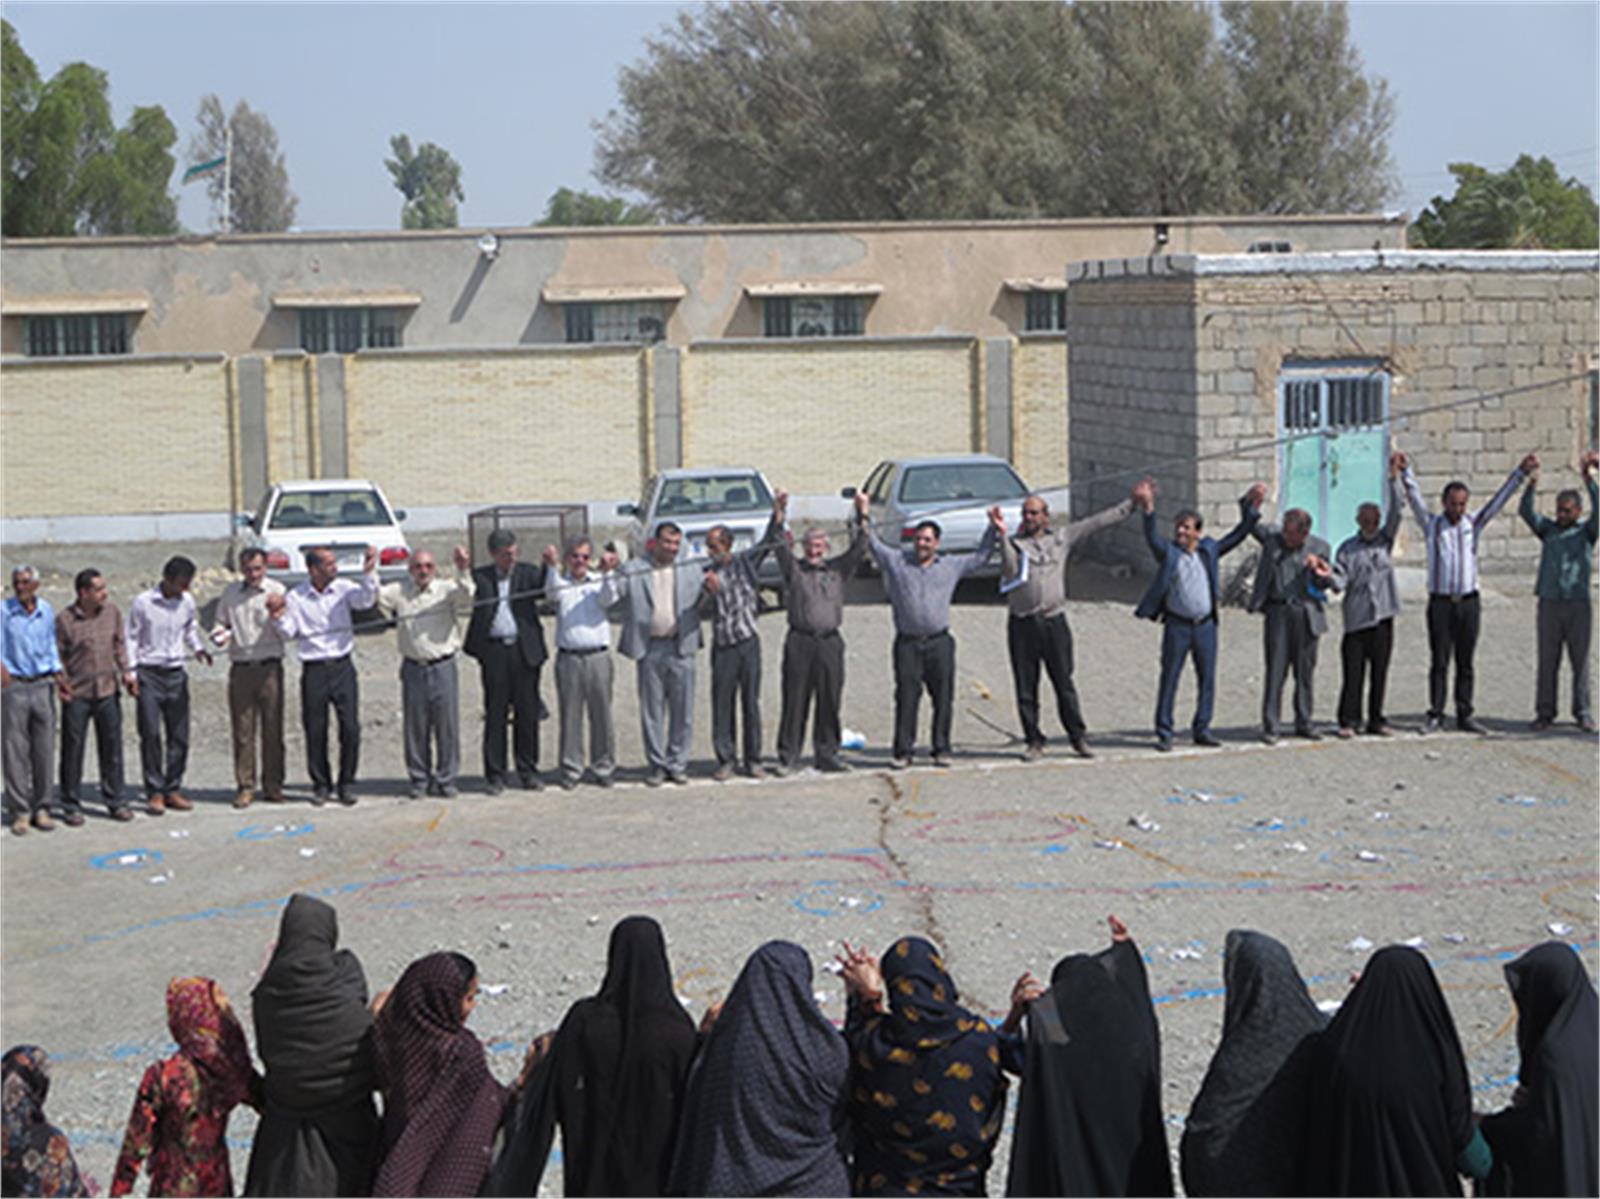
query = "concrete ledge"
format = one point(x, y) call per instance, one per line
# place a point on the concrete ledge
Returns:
point(152, 526)
point(16, 361)
point(1333, 262)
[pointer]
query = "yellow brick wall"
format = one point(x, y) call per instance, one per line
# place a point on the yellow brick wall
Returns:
point(291, 419)
point(816, 417)
point(494, 426)
point(1039, 411)
point(134, 437)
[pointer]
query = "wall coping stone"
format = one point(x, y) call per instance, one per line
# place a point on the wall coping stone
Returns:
point(1177, 266)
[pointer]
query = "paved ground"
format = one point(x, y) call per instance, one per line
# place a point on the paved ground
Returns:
point(1480, 847)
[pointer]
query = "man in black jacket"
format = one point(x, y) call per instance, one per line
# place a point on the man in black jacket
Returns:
point(506, 638)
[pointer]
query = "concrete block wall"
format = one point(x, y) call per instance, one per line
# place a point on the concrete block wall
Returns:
point(480, 426)
point(146, 436)
point(816, 416)
point(1448, 328)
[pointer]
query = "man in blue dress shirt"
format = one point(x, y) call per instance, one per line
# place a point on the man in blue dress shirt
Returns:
point(30, 669)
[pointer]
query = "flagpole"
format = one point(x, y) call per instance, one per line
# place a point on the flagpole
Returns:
point(227, 181)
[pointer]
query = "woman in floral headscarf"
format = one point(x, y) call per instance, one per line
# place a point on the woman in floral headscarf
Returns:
point(38, 1160)
point(927, 1090)
point(180, 1115)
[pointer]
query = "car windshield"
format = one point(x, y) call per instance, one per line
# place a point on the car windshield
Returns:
point(709, 494)
point(959, 481)
point(329, 510)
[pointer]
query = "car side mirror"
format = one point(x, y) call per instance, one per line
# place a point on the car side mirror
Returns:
point(399, 515)
point(847, 493)
point(244, 520)
point(627, 509)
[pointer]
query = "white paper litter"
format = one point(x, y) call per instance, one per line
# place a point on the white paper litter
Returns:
point(833, 967)
point(1144, 824)
point(1295, 846)
point(494, 988)
point(1380, 815)
point(128, 859)
point(1415, 942)
point(160, 878)
point(1367, 855)
point(1559, 928)
point(1187, 953)
point(1432, 755)
point(308, 852)
point(851, 739)
point(1359, 945)
point(1101, 843)
point(1270, 823)
point(504, 928)
point(1456, 938)
point(1328, 1006)
point(178, 832)
point(820, 996)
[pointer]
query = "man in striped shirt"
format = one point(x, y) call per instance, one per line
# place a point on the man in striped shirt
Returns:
point(1453, 613)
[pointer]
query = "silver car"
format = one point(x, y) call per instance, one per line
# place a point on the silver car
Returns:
point(697, 499)
point(955, 491)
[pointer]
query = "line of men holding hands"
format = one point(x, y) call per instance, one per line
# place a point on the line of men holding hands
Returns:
point(88, 655)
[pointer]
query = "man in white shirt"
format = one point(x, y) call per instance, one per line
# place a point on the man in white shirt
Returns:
point(255, 676)
point(320, 615)
point(1451, 538)
point(429, 613)
point(583, 660)
point(162, 632)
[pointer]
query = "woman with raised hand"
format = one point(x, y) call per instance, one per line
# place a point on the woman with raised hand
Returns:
point(441, 1106)
point(1089, 1119)
point(1544, 1143)
point(1246, 1131)
point(766, 1107)
point(180, 1115)
point(319, 1128)
point(613, 1079)
point(37, 1157)
point(1391, 1109)
point(928, 1088)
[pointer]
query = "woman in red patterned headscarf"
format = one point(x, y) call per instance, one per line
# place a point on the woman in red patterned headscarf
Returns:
point(180, 1115)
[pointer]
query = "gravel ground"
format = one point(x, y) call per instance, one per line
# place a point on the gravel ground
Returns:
point(1478, 846)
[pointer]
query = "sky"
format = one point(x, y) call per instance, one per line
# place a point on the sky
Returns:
point(513, 90)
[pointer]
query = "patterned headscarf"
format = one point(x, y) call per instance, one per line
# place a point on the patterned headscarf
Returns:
point(928, 1095)
point(211, 1037)
point(37, 1157)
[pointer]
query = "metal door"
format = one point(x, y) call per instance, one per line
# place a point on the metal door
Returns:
point(1335, 422)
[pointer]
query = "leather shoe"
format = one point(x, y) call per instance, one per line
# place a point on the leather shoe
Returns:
point(1163, 745)
point(19, 827)
point(756, 771)
point(1269, 738)
point(1081, 748)
point(1434, 724)
point(42, 821)
point(495, 787)
point(829, 766)
point(1032, 753)
point(899, 763)
point(531, 782)
point(320, 796)
point(1471, 724)
point(1589, 727)
point(1345, 732)
point(347, 796)
point(941, 760)
point(1207, 741)
point(245, 798)
point(276, 797)
point(156, 805)
point(1307, 733)
point(178, 803)
point(656, 777)
point(722, 773)
point(72, 819)
point(124, 814)
point(1541, 724)
point(678, 777)
point(1380, 730)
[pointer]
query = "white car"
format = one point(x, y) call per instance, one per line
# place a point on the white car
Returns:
point(346, 515)
point(695, 500)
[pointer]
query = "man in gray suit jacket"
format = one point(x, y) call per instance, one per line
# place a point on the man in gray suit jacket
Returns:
point(1292, 581)
point(661, 632)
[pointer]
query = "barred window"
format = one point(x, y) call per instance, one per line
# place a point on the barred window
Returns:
point(1046, 311)
point(813, 316)
point(102, 333)
point(346, 330)
point(640, 321)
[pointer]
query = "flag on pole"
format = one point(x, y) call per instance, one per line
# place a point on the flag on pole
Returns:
point(202, 169)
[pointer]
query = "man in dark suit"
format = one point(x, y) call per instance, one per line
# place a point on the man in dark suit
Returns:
point(506, 638)
point(1293, 578)
point(1186, 597)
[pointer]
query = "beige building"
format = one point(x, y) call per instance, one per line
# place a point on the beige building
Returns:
point(1305, 370)
point(153, 387)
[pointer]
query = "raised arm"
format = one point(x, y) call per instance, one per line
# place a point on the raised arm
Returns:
point(1249, 517)
point(1528, 508)
point(1407, 491)
point(1391, 522)
point(1591, 467)
point(1489, 511)
point(1152, 537)
point(980, 557)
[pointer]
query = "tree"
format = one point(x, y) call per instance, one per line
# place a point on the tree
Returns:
point(257, 176)
point(1310, 131)
point(68, 169)
point(909, 109)
point(1528, 206)
point(429, 179)
point(570, 209)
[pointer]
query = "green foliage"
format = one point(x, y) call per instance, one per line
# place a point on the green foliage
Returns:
point(568, 209)
point(910, 109)
point(258, 177)
point(1526, 207)
point(68, 169)
point(429, 179)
